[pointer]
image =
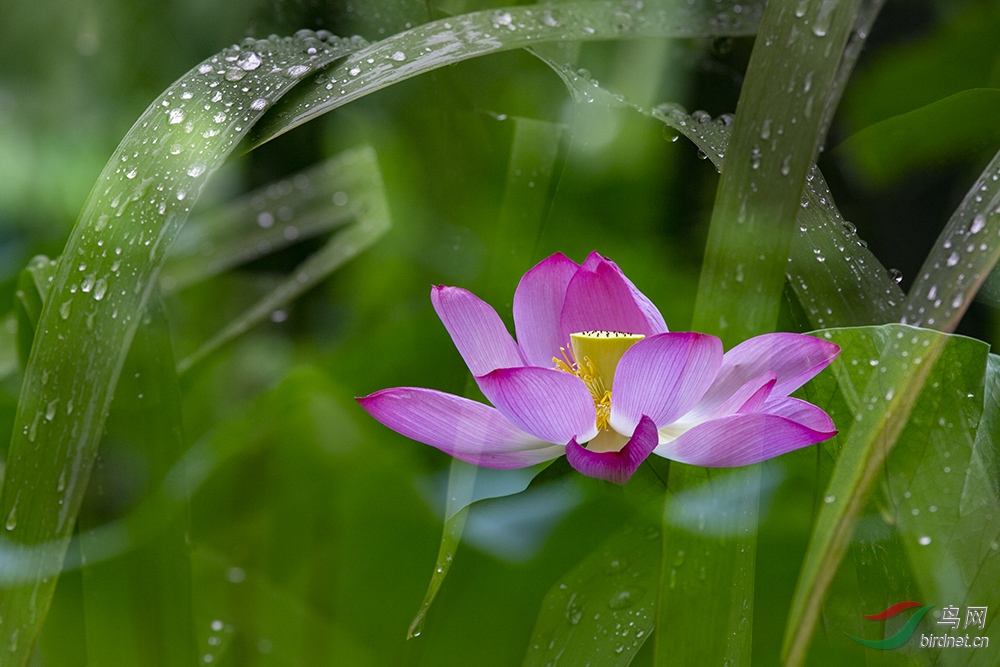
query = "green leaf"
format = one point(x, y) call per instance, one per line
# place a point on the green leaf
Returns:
point(138, 603)
point(942, 499)
point(315, 201)
point(448, 41)
point(962, 257)
point(955, 56)
point(9, 362)
point(603, 610)
point(795, 59)
point(867, 13)
point(952, 128)
point(102, 284)
point(461, 481)
point(358, 174)
point(890, 384)
point(32, 286)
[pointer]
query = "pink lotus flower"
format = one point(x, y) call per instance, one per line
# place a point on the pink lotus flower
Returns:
point(595, 365)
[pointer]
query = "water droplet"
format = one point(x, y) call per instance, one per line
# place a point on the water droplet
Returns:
point(88, 282)
point(196, 170)
point(298, 70)
point(64, 309)
point(765, 130)
point(932, 293)
point(623, 599)
point(236, 575)
point(176, 116)
point(830, 499)
point(978, 223)
point(219, 117)
point(235, 74)
point(100, 289)
point(354, 71)
point(12, 518)
point(398, 56)
point(924, 541)
point(248, 61)
point(258, 104)
point(50, 410)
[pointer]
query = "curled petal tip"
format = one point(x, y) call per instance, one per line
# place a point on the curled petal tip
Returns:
point(618, 466)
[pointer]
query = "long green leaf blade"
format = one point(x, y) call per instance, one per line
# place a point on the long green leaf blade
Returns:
point(447, 41)
point(107, 272)
point(882, 373)
point(796, 58)
point(963, 256)
point(371, 209)
point(309, 203)
point(138, 605)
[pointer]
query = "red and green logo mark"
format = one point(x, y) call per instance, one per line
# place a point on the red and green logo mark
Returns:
point(898, 639)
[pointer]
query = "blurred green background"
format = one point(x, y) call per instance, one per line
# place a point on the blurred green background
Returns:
point(314, 533)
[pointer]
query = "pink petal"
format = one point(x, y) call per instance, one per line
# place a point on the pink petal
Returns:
point(550, 404)
point(618, 466)
point(478, 333)
point(467, 430)
point(740, 439)
point(650, 312)
point(538, 301)
point(748, 398)
point(802, 412)
point(600, 297)
point(794, 358)
point(663, 377)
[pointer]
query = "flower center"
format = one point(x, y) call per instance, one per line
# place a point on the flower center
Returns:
point(593, 357)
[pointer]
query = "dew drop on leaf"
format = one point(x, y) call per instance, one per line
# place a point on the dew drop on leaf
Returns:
point(248, 61)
